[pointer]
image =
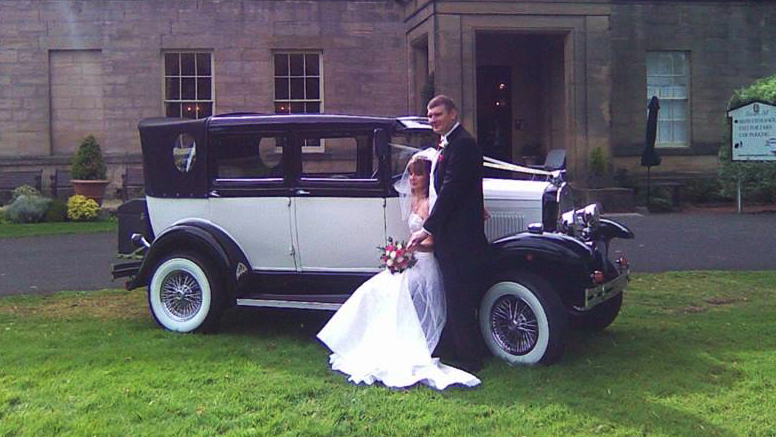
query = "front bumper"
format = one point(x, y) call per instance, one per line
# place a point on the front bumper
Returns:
point(600, 293)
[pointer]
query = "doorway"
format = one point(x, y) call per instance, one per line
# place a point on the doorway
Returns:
point(521, 95)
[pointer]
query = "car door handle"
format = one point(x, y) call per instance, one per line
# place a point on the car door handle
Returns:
point(302, 192)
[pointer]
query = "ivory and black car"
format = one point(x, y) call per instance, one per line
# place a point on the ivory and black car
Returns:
point(286, 211)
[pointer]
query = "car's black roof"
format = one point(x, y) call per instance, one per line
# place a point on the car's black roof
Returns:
point(248, 118)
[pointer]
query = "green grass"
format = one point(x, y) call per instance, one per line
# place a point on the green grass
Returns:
point(692, 353)
point(15, 230)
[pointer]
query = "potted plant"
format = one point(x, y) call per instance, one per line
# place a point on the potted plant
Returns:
point(88, 172)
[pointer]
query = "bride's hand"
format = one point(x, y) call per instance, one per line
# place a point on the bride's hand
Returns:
point(417, 238)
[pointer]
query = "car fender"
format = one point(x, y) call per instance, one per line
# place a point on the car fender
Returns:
point(558, 258)
point(549, 246)
point(609, 229)
point(205, 238)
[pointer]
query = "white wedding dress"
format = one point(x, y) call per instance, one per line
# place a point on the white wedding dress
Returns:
point(387, 330)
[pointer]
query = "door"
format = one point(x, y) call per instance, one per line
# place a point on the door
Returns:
point(339, 203)
point(494, 111)
point(250, 198)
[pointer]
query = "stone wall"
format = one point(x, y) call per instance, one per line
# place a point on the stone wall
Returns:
point(362, 45)
point(730, 44)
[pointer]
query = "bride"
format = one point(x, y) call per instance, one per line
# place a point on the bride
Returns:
point(387, 330)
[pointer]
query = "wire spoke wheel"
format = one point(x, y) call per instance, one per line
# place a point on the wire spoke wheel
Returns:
point(514, 325)
point(181, 295)
point(184, 294)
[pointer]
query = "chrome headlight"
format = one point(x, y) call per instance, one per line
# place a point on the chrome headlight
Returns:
point(584, 219)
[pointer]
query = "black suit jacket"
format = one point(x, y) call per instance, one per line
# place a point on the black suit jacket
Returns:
point(456, 221)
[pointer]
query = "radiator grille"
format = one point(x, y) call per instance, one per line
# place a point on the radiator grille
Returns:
point(503, 224)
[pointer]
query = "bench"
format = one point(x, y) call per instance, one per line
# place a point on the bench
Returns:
point(132, 183)
point(60, 185)
point(12, 179)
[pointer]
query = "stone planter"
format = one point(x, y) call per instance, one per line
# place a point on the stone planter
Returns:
point(91, 189)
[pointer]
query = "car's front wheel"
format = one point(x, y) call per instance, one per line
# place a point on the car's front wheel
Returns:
point(184, 294)
point(523, 320)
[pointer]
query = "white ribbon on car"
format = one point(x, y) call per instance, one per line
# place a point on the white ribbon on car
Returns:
point(491, 162)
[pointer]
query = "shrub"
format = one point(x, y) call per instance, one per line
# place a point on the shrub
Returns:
point(597, 162)
point(81, 208)
point(25, 190)
point(88, 163)
point(27, 209)
point(761, 90)
point(57, 211)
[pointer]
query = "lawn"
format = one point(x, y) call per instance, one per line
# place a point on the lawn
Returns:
point(692, 353)
point(15, 230)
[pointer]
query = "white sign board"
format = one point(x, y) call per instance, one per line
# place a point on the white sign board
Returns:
point(754, 132)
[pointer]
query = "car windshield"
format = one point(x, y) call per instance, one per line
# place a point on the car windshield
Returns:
point(406, 143)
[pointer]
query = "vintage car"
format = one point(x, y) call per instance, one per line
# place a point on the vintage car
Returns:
point(287, 211)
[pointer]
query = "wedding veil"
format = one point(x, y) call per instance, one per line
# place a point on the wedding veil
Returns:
point(404, 189)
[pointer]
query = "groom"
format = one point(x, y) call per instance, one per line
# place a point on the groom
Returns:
point(456, 222)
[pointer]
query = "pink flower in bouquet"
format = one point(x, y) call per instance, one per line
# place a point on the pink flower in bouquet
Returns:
point(396, 257)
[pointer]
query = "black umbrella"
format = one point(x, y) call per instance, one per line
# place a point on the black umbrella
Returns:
point(649, 156)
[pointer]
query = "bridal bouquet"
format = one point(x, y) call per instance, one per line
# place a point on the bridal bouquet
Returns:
point(395, 256)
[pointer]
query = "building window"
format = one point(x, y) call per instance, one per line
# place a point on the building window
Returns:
point(188, 84)
point(668, 78)
point(298, 83)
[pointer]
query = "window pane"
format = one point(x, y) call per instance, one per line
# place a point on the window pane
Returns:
point(297, 64)
point(269, 153)
point(311, 65)
point(187, 64)
point(281, 108)
point(297, 88)
point(312, 108)
point(172, 89)
point(313, 88)
point(281, 64)
point(337, 162)
point(297, 108)
point(203, 64)
point(281, 89)
point(172, 110)
point(203, 89)
point(205, 109)
point(171, 67)
point(189, 110)
point(188, 88)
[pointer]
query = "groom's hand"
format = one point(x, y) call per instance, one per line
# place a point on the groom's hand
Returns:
point(417, 238)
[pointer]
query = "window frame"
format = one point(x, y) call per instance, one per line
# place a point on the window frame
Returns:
point(321, 101)
point(252, 186)
point(180, 75)
point(687, 97)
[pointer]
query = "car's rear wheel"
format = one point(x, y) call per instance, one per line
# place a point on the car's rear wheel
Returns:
point(184, 294)
point(523, 320)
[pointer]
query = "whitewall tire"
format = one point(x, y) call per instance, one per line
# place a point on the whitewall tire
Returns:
point(522, 320)
point(183, 295)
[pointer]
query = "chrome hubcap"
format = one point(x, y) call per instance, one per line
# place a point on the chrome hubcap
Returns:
point(514, 325)
point(181, 295)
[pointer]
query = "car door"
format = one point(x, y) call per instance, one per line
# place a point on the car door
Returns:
point(249, 196)
point(339, 202)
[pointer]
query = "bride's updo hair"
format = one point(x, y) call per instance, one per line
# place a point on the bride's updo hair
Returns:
point(420, 165)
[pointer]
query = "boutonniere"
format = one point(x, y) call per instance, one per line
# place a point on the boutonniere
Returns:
point(440, 158)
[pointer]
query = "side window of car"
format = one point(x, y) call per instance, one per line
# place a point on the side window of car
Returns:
point(249, 156)
point(343, 156)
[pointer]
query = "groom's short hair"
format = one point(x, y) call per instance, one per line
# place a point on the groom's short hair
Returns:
point(442, 100)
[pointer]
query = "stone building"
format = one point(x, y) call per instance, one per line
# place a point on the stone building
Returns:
point(529, 75)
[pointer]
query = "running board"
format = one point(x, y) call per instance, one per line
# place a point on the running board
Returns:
point(277, 303)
